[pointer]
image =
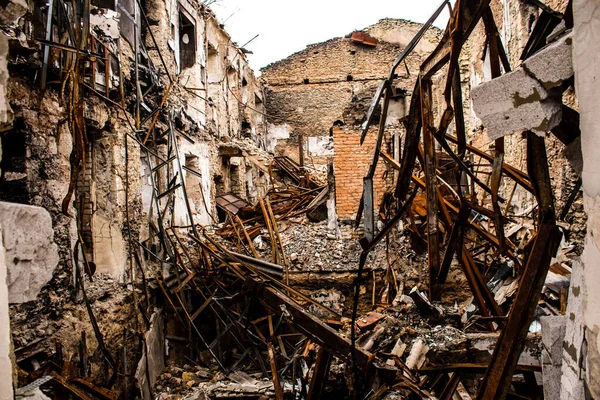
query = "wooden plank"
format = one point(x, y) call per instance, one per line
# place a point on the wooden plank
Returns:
point(274, 252)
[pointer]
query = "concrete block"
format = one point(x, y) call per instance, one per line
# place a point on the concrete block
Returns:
point(553, 334)
point(515, 102)
point(553, 64)
point(31, 254)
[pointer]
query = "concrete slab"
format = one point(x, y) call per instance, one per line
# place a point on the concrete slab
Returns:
point(31, 254)
point(515, 102)
point(553, 64)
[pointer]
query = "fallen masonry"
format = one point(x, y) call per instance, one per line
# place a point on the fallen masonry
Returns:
point(398, 213)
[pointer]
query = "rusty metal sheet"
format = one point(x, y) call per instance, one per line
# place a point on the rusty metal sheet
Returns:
point(363, 38)
point(231, 203)
point(369, 320)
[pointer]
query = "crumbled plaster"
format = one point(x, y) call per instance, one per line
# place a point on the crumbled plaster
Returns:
point(106, 20)
point(274, 134)
point(31, 254)
point(110, 253)
point(200, 211)
point(320, 145)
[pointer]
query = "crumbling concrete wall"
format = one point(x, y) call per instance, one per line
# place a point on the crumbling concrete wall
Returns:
point(113, 197)
point(581, 356)
point(31, 255)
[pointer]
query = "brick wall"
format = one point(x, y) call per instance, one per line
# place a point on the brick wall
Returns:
point(336, 80)
point(351, 163)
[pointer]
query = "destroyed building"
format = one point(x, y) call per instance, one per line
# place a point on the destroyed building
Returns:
point(402, 212)
point(317, 98)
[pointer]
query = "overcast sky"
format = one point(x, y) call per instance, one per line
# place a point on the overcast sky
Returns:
point(285, 27)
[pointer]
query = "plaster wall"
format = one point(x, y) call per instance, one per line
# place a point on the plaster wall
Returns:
point(581, 354)
point(6, 368)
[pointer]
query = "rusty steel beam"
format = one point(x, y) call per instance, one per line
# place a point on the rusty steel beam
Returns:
point(313, 328)
point(435, 292)
point(498, 376)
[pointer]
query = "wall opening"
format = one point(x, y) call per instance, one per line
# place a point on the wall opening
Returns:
point(349, 78)
point(13, 180)
point(246, 130)
point(306, 81)
point(187, 41)
point(110, 4)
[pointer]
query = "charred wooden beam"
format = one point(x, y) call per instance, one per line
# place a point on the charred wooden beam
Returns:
point(317, 382)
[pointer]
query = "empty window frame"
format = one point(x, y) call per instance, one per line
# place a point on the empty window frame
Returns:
point(187, 41)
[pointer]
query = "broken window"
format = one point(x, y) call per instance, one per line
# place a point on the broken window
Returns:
point(187, 41)
point(128, 19)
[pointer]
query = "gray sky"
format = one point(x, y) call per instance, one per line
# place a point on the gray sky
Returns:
point(285, 27)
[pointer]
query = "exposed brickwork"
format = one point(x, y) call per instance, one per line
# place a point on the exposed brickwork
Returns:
point(351, 163)
point(335, 81)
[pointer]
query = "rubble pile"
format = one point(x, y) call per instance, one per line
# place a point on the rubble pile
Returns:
point(181, 254)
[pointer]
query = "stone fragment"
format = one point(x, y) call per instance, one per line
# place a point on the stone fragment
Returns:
point(188, 376)
point(31, 254)
point(553, 64)
point(418, 354)
point(515, 102)
point(553, 333)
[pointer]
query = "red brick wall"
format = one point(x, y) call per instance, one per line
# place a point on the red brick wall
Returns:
point(351, 163)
